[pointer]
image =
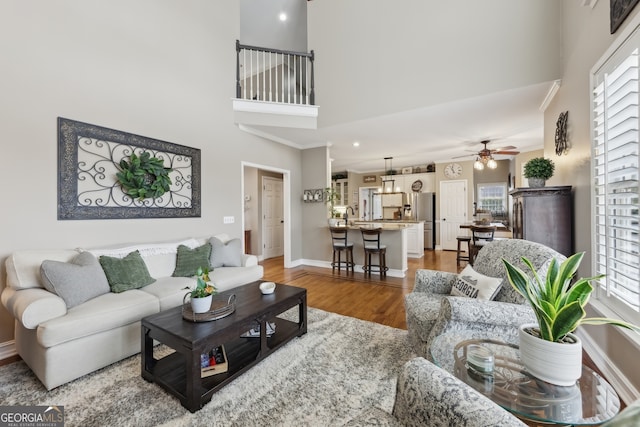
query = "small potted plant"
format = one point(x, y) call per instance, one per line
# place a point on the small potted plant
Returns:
point(202, 294)
point(331, 197)
point(549, 349)
point(538, 170)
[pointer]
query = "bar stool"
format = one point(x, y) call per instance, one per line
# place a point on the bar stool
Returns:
point(459, 253)
point(371, 244)
point(480, 235)
point(340, 244)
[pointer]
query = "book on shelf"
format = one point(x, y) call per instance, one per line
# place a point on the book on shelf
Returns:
point(214, 362)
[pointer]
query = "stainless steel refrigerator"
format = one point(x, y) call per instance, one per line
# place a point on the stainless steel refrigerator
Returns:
point(425, 210)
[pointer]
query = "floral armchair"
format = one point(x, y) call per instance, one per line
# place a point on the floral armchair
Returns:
point(431, 311)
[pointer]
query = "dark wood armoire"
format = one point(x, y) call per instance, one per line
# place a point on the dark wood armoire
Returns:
point(544, 215)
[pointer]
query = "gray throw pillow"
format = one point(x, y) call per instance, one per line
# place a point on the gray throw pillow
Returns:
point(226, 254)
point(189, 260)
point(77, 281)
point(126, 273)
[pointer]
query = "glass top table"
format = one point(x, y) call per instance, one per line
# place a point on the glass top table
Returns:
point(590, 401)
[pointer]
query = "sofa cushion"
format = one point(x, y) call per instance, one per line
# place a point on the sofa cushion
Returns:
point(170, 291)
point(126, 273)
point(76, 281)
point(99, 314)
point(23, 267)
point(225, 278)
point(226, 254)
point(189, 260)
point(472, 284)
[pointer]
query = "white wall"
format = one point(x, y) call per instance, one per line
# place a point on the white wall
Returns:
point(586, 37)
point(157, 68)
point(393, 56)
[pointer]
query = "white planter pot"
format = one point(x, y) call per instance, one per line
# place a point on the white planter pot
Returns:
point(556, 363)
point(201, 305)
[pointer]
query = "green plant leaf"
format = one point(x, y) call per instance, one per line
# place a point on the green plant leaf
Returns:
point(566, 320)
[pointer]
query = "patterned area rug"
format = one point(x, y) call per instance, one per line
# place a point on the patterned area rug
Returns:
point(326, 377)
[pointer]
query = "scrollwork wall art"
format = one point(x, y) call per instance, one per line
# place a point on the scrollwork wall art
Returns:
point(91, 183)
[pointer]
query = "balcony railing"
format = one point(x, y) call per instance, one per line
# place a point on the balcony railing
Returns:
point(274, 75)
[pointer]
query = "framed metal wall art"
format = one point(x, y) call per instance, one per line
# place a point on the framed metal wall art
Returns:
point(110, 174)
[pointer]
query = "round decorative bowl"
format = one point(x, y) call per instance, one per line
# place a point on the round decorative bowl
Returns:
point(267, 288)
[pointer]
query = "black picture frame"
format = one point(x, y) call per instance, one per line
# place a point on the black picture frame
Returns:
point(618, 12)
point(73, 203)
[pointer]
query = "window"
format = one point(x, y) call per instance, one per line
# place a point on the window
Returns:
point(493, 198)
point(616, 124)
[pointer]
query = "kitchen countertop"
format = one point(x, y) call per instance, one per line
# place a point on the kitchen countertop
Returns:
point(384, 225)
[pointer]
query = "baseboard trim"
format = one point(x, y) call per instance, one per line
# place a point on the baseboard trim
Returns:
point(625, 389)
point(327, 264)
point(8, 349)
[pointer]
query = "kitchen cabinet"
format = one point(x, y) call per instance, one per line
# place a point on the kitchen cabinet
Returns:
point(341, 187)
point(404, 183)
point(544, 215)
point(415, 240)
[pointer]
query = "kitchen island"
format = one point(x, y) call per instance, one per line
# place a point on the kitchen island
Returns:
point(394, 236)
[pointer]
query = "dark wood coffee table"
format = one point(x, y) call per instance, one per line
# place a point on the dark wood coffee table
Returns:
point(179, 373)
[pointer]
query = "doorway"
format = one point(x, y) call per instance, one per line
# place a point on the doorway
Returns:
point(277, 207)
point(453, 212)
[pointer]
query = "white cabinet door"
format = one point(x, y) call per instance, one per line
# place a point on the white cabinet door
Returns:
point(415, 241)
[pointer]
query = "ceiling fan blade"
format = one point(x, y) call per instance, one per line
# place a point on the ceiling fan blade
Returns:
point(506, 147)
point(506, 152)
point(464, 155)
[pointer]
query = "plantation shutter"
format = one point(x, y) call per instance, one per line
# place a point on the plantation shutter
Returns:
point(615, 172)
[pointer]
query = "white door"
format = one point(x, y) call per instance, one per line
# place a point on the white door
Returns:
point(272, 218)
point(453, 211)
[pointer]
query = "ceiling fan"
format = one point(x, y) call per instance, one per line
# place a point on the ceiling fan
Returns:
point(484, 157)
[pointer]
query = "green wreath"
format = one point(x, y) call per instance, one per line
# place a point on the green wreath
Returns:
point(144, 177)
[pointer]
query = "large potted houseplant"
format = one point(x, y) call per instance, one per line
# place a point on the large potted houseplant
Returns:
point(538, 170)
point(202, 294)
point(549, 349)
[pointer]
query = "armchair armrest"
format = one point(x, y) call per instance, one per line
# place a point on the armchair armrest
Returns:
point(469, 310)
point(428, 396)
point(33, 306)
point(437, 282)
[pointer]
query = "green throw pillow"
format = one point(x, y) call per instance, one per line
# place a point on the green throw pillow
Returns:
point(189, 260)
point(126, 273)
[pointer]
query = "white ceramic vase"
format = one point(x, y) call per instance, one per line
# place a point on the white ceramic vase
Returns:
point(201, 305)
point(553, 362)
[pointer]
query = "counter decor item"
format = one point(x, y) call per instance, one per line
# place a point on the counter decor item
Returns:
point(538, 170)
point(549, 350)
point(331, 197)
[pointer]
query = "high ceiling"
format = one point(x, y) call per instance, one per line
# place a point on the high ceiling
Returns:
point(436, 134)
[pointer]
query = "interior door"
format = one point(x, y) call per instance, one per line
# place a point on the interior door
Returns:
point(453, 211)
point(272, 218)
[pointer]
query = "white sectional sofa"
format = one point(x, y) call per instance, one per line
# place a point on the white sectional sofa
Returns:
point(62, 343)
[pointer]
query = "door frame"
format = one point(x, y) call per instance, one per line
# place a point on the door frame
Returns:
point(286, 201)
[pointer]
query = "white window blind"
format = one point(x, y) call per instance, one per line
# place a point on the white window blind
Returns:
point(616, 125)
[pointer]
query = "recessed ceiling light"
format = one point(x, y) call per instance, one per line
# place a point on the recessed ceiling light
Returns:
point(283, 16)
point(356, 144)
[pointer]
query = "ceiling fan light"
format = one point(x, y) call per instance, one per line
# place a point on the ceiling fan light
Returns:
point(492, 164)
point(477, 165)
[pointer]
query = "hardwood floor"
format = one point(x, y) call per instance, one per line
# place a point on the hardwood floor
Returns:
point(375, 299)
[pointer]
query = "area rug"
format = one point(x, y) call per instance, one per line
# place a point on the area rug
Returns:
point(327, 377)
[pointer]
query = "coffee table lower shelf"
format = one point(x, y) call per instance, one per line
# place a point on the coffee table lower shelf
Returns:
point(170, 372)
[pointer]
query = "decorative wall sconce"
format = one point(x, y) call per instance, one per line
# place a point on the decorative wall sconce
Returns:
point(315, 195)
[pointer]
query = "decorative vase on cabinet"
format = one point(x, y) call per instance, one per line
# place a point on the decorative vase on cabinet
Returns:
point(544, 215)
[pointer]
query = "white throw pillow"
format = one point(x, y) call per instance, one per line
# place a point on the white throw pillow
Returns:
point(472, 284)
point(226, 254)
